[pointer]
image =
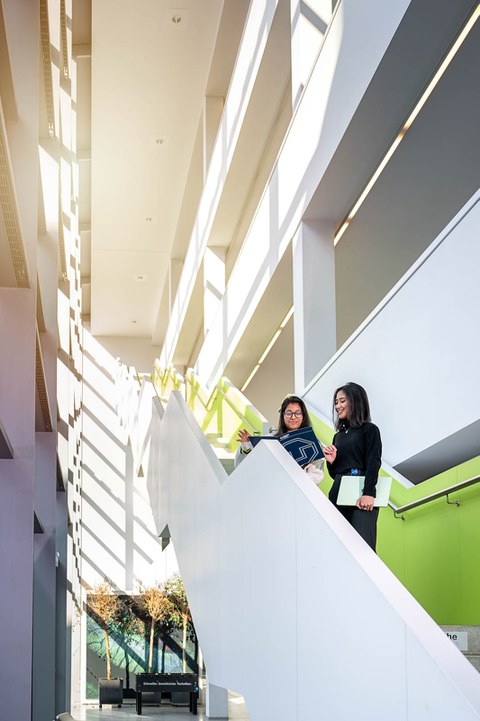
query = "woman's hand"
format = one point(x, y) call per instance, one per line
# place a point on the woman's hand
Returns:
point(243, 436)
point(330, 453)
point(365, 503)
point(315, 471)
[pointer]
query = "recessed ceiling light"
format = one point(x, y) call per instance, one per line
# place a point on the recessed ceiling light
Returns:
point(176, 19)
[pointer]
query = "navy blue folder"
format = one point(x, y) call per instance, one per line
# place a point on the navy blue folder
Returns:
point(302, 444)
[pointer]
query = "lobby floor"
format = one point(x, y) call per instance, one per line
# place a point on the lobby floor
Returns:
point(236, 710)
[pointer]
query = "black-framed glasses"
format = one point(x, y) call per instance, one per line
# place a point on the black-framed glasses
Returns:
point(293, 414)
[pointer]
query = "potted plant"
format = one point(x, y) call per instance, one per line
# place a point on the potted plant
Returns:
point(181, 616)
point(156, 604)
point(127, 625)
point(105, 607)
point(180, 613)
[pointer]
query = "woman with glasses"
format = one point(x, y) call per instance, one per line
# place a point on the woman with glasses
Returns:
point(356, 450)
point(293, 415)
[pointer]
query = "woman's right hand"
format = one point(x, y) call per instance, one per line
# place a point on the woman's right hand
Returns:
point(243, 435)
point(330, 453)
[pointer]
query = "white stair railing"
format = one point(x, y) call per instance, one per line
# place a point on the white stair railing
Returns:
point(291, 607)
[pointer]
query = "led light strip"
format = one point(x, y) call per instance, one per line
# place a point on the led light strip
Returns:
point(409, 122)
point(64, 41)
point(9, 213)
point(268, 348)
point(47, 66)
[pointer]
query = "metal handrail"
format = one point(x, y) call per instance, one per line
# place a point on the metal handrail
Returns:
point(398, 511)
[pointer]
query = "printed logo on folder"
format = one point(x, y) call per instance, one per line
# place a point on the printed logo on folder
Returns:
point(302, 444)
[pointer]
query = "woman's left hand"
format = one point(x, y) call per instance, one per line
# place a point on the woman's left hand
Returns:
point(365, 503)
point(243, 435)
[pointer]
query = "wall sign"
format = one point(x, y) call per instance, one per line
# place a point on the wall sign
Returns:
point(459, 638)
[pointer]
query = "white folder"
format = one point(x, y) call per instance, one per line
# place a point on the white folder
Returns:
point(351, 488)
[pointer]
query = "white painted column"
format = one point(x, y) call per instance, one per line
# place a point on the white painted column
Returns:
point(212, 112)
point(17, 479)
point(168, 297)
point(308, 25)
point(216, 701)
point(213, 284)
point(314, 300)
point(44, 580)
point(173, 279)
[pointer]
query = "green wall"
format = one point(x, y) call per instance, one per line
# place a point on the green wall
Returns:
point(435, 551)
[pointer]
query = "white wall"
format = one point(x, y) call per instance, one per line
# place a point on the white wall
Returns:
point(136, 352)
point(118, 536)
point(17, 376)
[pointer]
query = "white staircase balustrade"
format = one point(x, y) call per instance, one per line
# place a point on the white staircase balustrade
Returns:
point(140, 425)
point(292, 608)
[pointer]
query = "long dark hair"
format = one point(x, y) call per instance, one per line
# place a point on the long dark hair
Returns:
point(358, 406)
point(282, 428)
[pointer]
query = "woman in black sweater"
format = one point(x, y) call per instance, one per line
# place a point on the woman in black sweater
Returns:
point(356, 450)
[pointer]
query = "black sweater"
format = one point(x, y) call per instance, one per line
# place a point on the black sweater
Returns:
point(361, 449)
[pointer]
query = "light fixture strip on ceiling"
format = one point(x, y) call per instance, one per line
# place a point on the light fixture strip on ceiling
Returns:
point(9, 211)
point(250, 378)
point(63, 38)
point(47, 66)
point(268, 348)
point(411, 118)
point(61, 237)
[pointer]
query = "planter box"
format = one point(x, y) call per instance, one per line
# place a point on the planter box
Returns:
point(180, 698)
point(110, 690)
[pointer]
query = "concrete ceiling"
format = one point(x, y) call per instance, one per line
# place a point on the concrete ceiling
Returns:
point(143, 88)
point(149, 77)
point(142, 82)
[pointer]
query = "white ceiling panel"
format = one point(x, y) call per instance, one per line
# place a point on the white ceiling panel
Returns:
point(150, 68)
point(126, 290)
